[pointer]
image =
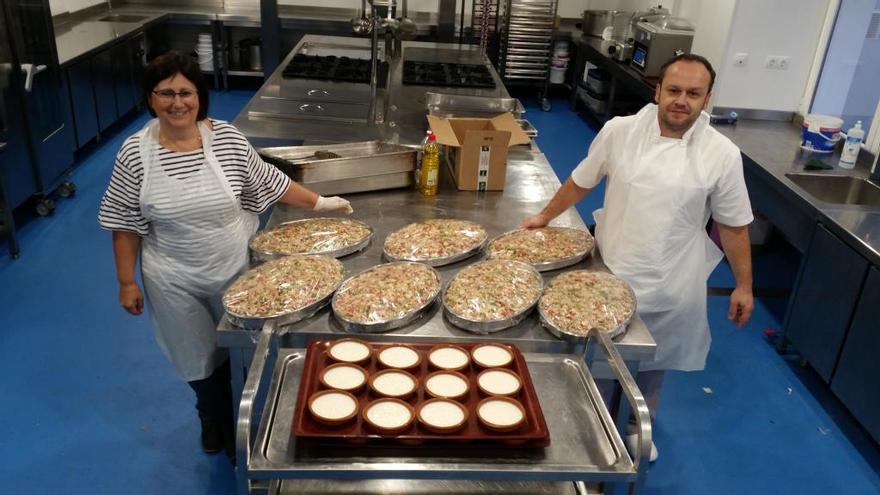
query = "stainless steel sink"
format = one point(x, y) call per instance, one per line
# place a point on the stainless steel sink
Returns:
point(123, 18)
point(838, 189)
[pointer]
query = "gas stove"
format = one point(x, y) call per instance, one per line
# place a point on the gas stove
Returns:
point(447, 74)
point(331, 68)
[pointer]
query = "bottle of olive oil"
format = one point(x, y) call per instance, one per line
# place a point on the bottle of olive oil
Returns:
point(429, 173)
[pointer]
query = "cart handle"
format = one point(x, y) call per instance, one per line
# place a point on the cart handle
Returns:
point(641, 457)
point(249, 411)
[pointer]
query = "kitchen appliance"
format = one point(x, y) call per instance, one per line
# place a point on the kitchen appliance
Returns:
point(657, 41)
point(600, 23)
point(250, 54)
point(447, 74)
point(621, 44)
point(34, 117)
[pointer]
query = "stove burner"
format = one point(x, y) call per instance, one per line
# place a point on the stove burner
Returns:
point(442, 74)
point(332, 68)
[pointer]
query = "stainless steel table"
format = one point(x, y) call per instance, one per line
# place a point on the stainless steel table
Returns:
point(586, 447)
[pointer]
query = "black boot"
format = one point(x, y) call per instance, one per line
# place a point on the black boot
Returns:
point(212, 435)
point(214, 403)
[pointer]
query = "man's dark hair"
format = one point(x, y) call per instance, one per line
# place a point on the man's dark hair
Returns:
point(169, 64)
point(690, 57)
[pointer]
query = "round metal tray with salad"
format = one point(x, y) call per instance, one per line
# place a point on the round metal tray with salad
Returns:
point(335, 237)
point(545, 248)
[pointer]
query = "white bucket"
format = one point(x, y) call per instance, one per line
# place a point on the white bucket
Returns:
point(820, 133)
point(557, 75)
point(205, 59)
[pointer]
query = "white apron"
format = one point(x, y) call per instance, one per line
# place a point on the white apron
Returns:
point(651, 232)
point(196, 246)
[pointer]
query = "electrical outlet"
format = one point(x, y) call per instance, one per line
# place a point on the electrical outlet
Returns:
point(783, 62)
point(740, 59)
point(771, 62)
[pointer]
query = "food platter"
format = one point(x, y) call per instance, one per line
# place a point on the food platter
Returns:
point(332, 236)
point(502, 291)
point(615, 320)
point(386, 296)
point(287, 290)
point(435, 242)
point(545, 248)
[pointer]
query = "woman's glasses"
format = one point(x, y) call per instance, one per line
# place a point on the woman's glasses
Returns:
point(167, 95)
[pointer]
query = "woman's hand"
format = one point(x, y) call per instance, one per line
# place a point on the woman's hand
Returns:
point(131, 298)
point(333, 203)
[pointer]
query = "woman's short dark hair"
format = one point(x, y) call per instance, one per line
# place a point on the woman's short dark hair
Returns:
point(170, 64)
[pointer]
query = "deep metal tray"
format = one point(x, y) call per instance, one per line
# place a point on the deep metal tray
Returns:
point(449, 105)
point(491, 326)
point(258, 256)
point(384, 326)
point(333, 162)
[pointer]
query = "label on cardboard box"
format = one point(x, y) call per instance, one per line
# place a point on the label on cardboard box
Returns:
point(483, 168)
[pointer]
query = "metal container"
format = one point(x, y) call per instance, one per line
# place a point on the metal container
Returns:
point(346, 168)
point(446, 105)
point(550, 265)
point(249, 54)
point(658, 41)
point(579, 339)
point(386, 325)
point(259, 256)
point(491, 326)
point(599, 23)
point(527, 127)
point(447, 260)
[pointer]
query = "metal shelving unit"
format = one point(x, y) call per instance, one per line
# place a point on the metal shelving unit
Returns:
point(525, 31)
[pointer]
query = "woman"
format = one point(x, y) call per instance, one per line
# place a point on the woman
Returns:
point(185, 194)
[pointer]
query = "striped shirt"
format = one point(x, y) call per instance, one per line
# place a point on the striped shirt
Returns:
point(255, 183)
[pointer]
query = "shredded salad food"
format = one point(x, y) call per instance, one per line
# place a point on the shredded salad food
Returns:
point(312, 236)
point(386, 292)
point(493, 290)
point(283, 285)
point(434, 239)
point(542, 245)
point(579, 300)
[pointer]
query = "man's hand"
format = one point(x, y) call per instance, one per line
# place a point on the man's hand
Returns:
point(333, 203)
point(741, 305)
point(131, 299)
point(535, 221)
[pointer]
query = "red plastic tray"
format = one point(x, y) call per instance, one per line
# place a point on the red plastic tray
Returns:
point(533, 433)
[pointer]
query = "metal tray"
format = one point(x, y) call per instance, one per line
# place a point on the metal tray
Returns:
point(447, 105)
point(384, 326)
point(579, 339)
point(549, 265)
point(261, 256)
point(491, 326)
point(527, 127)
point(333, 162)
point(532, 434)
point(446, 260)
point(287, 318)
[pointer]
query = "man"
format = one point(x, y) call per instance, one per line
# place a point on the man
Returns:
point(668, 171)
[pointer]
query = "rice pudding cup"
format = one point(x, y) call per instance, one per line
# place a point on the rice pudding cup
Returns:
point(353, 389)
point(488, 423)
point(451, 367)
point(437, 395)
point(386, 364)
point(332, 421)
point(388, 430)
point(481, 364)
point(495, 393)
point(381, 393)
point(441, 429)
point(362, 360)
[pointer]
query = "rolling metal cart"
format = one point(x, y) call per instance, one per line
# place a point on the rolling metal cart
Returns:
point(586, 454)
point(525, 43)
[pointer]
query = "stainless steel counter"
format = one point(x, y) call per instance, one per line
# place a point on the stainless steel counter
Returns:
point(773, 148)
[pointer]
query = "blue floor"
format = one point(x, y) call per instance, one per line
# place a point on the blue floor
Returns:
point(91, 406)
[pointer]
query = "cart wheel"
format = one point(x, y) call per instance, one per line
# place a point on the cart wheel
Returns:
point(545, 105)
point(67, 189)
point(45, 207)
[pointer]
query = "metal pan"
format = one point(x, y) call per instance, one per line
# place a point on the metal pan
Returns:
point(384, 325)
point(577, 338)
point(547, 266)
point(259, 256)
point(281, 319)
point(491, 326)
point(445, 260)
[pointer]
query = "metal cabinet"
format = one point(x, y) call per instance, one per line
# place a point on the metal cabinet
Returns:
point(123, 85)
point(857, 379)
point(102, 80)
point(82, 102)
point(822, 305)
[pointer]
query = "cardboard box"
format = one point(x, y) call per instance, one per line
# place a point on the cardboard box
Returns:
point(480, 148)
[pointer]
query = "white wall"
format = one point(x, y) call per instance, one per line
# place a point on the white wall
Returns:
point(62, 6)
point(784, 27)
point(57, 7)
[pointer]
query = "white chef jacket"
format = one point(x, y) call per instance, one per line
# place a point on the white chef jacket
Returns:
point(651, 229)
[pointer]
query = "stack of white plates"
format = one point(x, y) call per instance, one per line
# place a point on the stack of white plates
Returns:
point(205, 52)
